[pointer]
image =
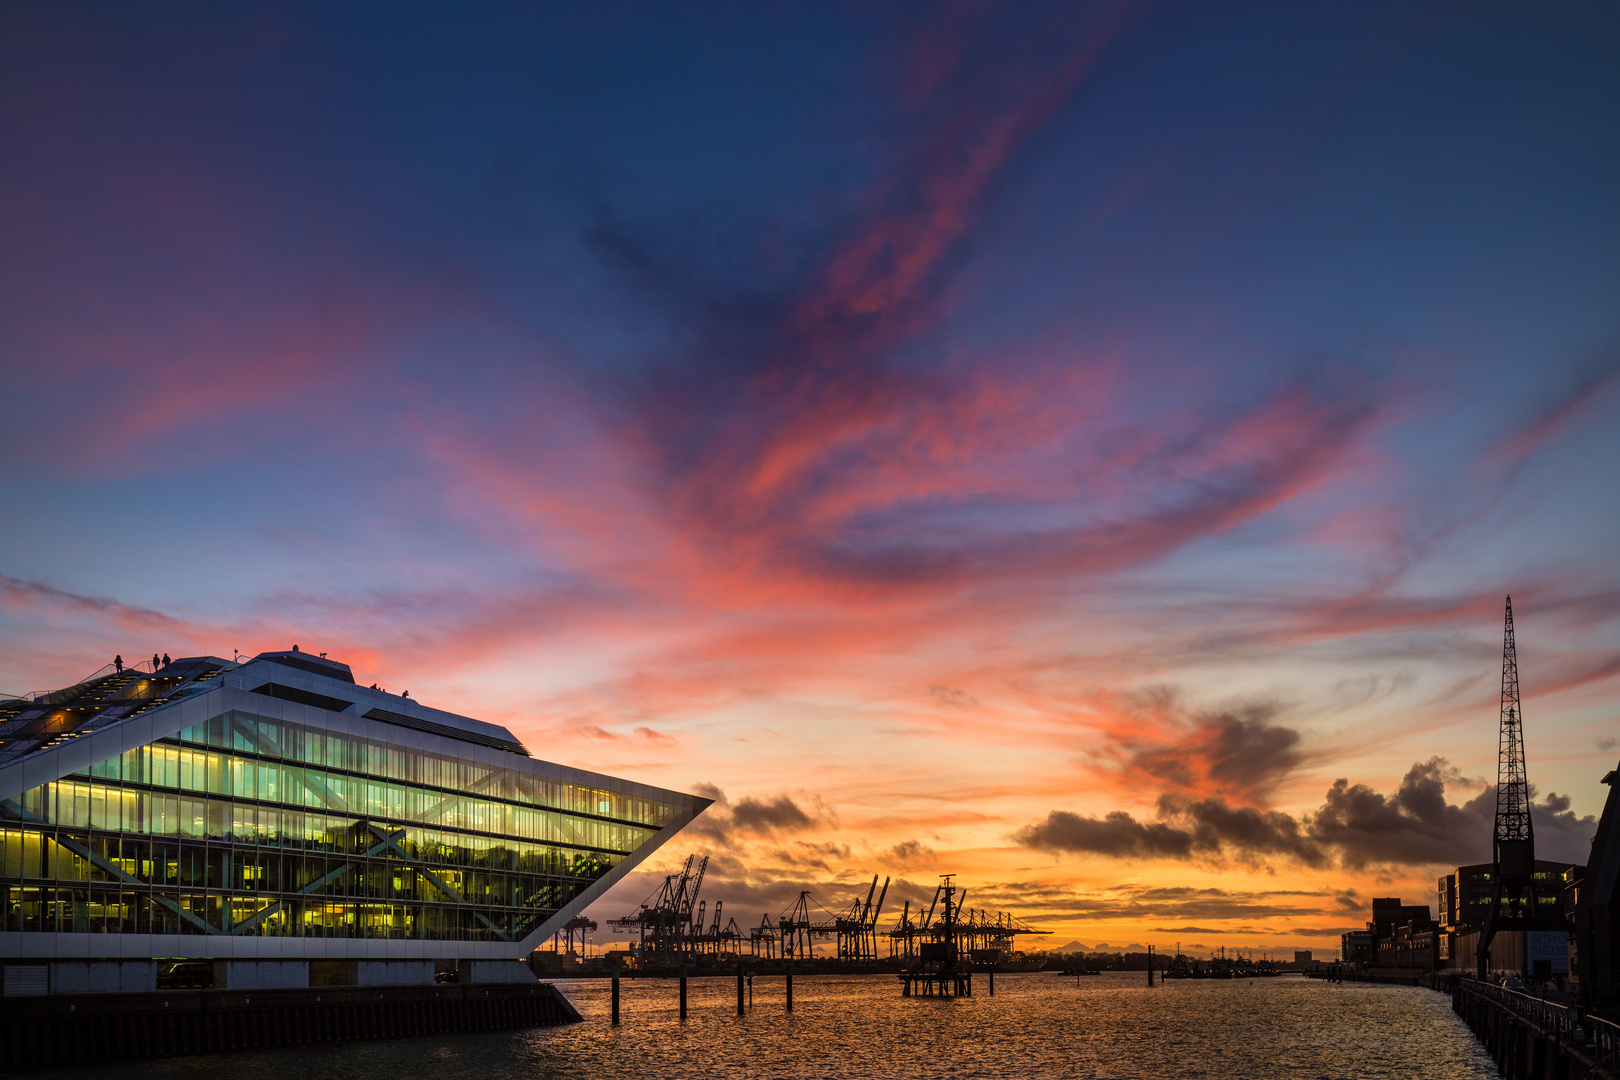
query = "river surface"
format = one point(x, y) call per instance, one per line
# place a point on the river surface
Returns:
point(1038, 1026)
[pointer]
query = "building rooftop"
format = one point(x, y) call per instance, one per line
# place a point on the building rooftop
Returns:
point(45, 719)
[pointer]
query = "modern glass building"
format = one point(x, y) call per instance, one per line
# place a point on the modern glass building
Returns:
point(292, 828)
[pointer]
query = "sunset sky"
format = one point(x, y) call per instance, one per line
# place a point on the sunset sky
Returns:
point(1082, 449)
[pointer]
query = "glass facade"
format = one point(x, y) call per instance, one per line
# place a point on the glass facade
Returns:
point(1477, 884)
point(253, 825)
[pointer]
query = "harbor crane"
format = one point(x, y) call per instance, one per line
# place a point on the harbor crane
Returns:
point(675, 926)
point(665, 919)
point(856, 926)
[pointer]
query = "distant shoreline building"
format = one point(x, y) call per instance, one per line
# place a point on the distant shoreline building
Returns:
point(1358, 947)
point(1403, 936)
point(273, 824)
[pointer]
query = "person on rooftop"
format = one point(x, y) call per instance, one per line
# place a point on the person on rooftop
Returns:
point(154, 661)
point(118, 663)
point(166, 660)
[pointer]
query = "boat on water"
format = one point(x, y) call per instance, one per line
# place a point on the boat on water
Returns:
point(1219, 967)
point(1018, 962)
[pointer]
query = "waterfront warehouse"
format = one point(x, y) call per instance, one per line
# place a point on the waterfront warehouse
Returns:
point(270, 823)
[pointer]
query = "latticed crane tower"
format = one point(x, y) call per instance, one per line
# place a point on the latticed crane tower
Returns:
point(1514, 902)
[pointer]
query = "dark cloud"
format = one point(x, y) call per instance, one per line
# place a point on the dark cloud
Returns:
point(1215, 825)
point(1414, 826)
point(780, 814)
point(725, 822)
point(1238, 753)
point(1118, 834)
point(1560, 832)
point(1355, 827)
point(909, 853)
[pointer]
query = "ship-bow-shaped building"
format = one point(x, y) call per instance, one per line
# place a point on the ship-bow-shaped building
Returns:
point(271, 823)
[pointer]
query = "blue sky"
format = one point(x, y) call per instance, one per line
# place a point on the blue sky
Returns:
point(840, 404)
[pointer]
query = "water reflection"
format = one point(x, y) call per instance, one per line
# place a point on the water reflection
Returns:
point(1037, 1026)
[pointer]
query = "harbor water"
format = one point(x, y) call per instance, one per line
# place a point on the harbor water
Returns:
point(1038, 1025)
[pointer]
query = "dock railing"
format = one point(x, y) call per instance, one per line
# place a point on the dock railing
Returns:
point(1601, 1037)
point(1550, 1015)
point(1605, 1036)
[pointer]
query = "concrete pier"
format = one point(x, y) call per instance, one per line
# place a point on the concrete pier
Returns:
point(84, 1029)
point(1531, 1039)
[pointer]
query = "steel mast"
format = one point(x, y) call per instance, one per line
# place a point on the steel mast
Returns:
point(1514, 838)
point(1513, 842)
